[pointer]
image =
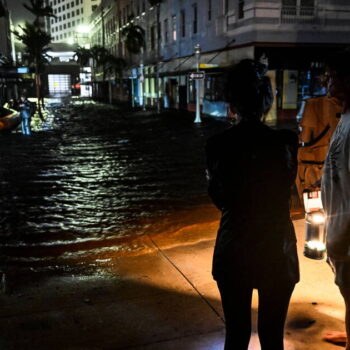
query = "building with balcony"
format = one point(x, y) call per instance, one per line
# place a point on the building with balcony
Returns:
point(295, 35)
point(8, 74)
point(73, 17)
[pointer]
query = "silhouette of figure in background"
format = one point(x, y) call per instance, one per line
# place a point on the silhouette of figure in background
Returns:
point(251, 169)
point(25, 112)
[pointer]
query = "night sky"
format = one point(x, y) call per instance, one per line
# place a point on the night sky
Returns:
point(18, 12)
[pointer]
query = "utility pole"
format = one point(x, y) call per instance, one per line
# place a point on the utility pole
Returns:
point(158, 58)
point(197, 52)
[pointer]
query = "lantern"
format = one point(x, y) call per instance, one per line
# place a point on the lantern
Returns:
point(315, 237)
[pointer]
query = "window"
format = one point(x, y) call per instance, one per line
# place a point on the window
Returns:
point(68, 24)
point(73, 13)
point(64, 26)
point(77, 2)
point(93, 8)
point(183, 23)
point(72, 4)
point(173, 27)
point(209, 9)
point(195, 18)
point(73, 23)
point(226, 6)
point(68, 6)
point(166, 33)
point(153, 37)
point(143, 6)
point(77, 12)
point(63, 7)
point(63, 17)
point(240, 8)
point(60, 26)
point(68, 15)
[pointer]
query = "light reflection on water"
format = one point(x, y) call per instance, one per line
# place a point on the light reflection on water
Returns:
point(96, 173)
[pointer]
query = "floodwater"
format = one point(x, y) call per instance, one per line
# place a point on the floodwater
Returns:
point(93, 174)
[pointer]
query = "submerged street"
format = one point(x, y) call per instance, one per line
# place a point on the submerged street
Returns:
point(92, 175)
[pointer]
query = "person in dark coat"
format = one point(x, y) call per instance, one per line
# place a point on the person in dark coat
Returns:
point(251, 169)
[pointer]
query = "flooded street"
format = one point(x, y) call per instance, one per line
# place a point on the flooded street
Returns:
point(94, 175)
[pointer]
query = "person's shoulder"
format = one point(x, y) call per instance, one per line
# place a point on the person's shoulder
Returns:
point(221, 137)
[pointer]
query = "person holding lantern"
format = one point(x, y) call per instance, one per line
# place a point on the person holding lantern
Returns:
point(250, 170)
point(335, 185)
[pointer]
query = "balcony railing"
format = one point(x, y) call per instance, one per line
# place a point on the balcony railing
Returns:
point(298, 15)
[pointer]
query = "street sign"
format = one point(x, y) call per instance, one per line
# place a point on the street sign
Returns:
point(196, 75)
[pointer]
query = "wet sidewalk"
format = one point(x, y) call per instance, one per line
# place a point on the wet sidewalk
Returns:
point(162, 297)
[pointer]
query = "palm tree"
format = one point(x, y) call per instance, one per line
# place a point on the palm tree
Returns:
point(39, 9)
point(83, 56)
point(115, 65)
point(35, 41)
point(134, 38)
point(157, 4)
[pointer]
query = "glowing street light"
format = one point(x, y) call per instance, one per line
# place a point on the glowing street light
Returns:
point(197, 52)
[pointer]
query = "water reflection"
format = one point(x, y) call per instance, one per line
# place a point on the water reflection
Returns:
point(95, 173)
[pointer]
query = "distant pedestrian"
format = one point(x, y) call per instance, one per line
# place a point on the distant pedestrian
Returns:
point(25, 108)
point(336, 185)
point(251, 169)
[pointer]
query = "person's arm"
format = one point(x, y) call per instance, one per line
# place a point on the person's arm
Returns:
point(308, 123)
point(214, 185)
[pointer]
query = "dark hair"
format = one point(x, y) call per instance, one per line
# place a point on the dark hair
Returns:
point(249, 91)
point(338, 67)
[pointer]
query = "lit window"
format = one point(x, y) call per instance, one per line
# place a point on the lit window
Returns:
point(173, 29)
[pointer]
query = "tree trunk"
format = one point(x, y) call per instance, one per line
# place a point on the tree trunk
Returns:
point(38, 92)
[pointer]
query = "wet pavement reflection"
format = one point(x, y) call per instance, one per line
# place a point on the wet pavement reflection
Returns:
point(93, 174)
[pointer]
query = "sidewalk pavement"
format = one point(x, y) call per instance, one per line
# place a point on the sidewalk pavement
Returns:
point(160, 297)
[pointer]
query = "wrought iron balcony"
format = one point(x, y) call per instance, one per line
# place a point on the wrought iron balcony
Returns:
point(299, 15)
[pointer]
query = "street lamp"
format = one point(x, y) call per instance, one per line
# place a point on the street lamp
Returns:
point(197, 52)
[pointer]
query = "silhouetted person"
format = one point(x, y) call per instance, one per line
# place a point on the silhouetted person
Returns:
point(25, 108)
point(251, 169)
point(336, 185)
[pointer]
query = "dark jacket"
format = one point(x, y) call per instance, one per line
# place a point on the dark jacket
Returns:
point(251, 169)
